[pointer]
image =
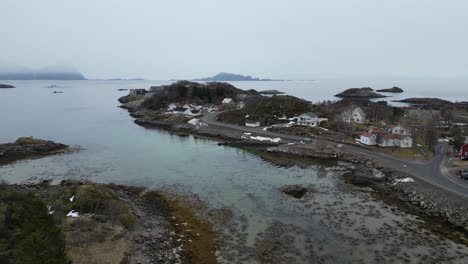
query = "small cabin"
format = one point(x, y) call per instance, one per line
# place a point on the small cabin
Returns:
point(138, 91)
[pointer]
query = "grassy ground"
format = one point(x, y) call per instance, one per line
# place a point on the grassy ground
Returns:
point(405, 153)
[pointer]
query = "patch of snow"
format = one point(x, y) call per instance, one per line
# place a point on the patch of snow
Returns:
point(73, 214)
point(377, 173)
point(49, 211)
point(71, 198)
point(247, 116)
point(265, 128)
point(196, 122)
point(259, 138)
point(404, 180)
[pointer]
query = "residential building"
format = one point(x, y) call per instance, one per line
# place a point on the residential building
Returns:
point(398, 130)
point(394, 140)
point(307, 119)
point(354, 115)
point(138, 91)
point(367, 138)
point(464, 152)
point(240, 105)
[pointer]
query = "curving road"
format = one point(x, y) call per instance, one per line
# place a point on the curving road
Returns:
point(433, 172)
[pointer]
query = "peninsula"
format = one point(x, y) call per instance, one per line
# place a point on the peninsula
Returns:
point(224, 76)
point(54, 72)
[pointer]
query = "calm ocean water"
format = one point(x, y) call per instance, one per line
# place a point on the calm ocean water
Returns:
point(114, 149)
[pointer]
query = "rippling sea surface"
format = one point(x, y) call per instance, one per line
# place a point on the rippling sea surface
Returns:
point(334, 224)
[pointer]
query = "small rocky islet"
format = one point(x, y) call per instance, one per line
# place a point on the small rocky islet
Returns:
point(28, 147)
point(364, 93)
point(6, 86)
point(394, 89)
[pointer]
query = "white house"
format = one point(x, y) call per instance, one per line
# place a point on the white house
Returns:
point(368, 139)
point(240, 105)
point(172, 106)
point(393, 140)
point(307, 119)
point(398, 130)
point(227, 101)
point(355, 115)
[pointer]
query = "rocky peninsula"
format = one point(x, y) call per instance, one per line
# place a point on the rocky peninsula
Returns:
point(6, 86)
point(28, 147)
point(363, 93)
point(84, 222)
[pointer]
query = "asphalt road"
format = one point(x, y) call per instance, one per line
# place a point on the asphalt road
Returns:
point(433, 172)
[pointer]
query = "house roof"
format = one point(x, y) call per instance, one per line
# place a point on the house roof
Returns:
point(367, 135)
point(376, 131)
point(310, 114)
point(359, 110)
point(394, 136)
point(227, 101)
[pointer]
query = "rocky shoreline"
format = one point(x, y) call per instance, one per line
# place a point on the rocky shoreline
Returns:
point(390, 186)
point(154, 227)
point(24, 148)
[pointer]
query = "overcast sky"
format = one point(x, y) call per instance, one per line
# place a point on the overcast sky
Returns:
point(297, 39)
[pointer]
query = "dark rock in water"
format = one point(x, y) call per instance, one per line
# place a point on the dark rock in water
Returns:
point(123, 89)
point(391, 90)
point(432, 103)
point(271, 92)
point(296, 191)
point(6, 86)
point(27, 147)
point(365, 92)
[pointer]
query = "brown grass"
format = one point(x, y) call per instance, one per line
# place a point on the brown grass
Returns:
point(186, 222)
point(89, 241)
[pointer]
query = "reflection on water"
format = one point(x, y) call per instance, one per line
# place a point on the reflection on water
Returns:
point(334, 224)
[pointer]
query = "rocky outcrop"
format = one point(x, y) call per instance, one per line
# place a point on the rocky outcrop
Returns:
point(28, 147)
point(365, 92)
point(316, 153)
point(296, 191)
point(434, 103)
point(391, 90)
point(130, 97)
point(6, 86)
point(270, 92)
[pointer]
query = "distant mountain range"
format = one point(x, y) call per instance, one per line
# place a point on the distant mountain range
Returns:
point(224, 76)
point(55, 72)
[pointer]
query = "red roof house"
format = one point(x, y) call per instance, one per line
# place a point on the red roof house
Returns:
point(464, 152)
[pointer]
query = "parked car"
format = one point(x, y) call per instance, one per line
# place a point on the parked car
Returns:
point(464, 175)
